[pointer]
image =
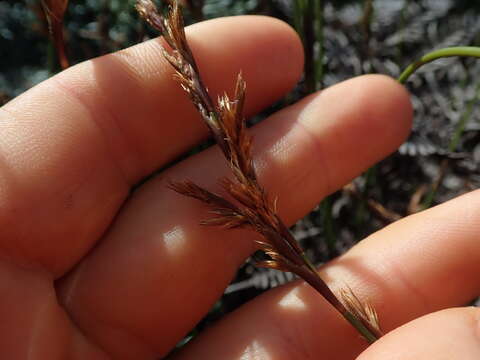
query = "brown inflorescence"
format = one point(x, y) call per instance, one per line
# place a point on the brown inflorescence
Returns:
point(248, 204)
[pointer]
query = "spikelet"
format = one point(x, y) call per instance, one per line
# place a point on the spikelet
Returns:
point(363, 311)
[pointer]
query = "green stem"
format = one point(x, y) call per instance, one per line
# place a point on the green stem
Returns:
point(309, 46)
point(298, 6)
point(361, 213)
point(367, 19)
point(310, 275)
point(308, 21)
point(452, 146)
point(362, 329)
point(464, 51)
point(433, 190)
point(51, 60)
point(463, 121)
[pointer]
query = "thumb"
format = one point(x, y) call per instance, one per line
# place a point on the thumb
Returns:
point(447, 334)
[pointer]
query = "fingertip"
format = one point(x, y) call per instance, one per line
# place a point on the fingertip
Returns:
point(393, 105)
point(351, 125)
point(276, 51)
point(377, 104)
point(447, 334)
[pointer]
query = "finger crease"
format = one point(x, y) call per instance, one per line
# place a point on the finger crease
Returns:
point(319, 151)
point(95, 119)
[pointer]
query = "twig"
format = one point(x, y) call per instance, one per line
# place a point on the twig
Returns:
point(414, 205)
point(375, 207)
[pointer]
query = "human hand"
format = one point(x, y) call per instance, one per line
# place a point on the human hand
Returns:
point(90, 271)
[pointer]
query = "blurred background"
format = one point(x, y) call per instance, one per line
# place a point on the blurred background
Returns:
point(342, 39)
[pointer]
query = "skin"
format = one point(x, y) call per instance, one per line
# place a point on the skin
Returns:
point(91, 270)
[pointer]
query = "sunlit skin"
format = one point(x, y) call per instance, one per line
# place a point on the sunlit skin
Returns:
point(91, 271)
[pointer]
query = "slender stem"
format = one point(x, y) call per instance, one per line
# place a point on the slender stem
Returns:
point(307, 271)
point(298, 17)
point(433, 190)
point(60, 46)
point(463, 121)
point(310, 275)
point(367, 24)
point(452, 147)
point(464, 51)
point(318, 27)
point(308, 21)
point(369, 335)
point(361, 213)
point(51, 58)
point(309, 46)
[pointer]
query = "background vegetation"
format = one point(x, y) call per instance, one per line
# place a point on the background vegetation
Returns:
point(440, 160)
